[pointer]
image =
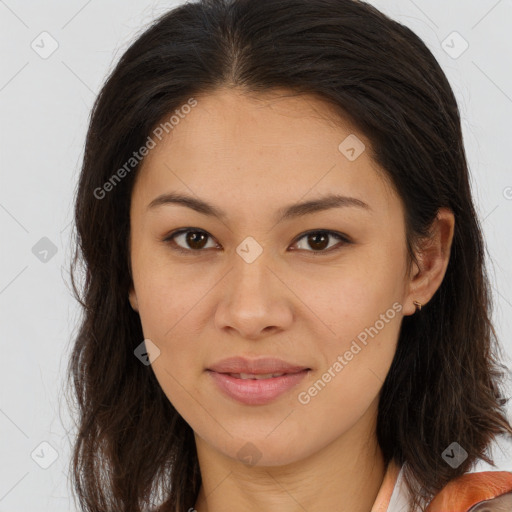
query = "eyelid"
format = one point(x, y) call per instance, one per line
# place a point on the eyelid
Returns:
point(343, 239)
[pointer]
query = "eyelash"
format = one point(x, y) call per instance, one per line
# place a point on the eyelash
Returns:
point(189, 252)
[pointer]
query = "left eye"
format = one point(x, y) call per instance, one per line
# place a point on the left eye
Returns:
point(196, 240)
point(318, 240)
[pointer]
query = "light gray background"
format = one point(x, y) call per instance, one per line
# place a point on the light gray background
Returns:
point(45, 104)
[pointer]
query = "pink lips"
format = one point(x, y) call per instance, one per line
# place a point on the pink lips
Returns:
point(251, 391)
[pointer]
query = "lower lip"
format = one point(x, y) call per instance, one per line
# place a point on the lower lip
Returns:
point(256, 392)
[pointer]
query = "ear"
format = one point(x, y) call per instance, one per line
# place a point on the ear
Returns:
point(132, 296)
point(433, 258)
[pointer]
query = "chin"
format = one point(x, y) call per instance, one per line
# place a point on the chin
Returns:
point(266, 452)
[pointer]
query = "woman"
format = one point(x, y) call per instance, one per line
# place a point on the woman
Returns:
point(285, 300)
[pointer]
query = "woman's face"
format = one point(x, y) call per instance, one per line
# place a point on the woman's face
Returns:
point(259, 282)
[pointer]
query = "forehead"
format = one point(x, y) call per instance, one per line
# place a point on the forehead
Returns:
point(230, 119)
point(263, 146)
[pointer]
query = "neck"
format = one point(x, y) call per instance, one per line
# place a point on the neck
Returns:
point(345, 475)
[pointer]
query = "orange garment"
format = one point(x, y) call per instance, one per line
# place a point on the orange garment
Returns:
point(459, 495)
point(470, 489)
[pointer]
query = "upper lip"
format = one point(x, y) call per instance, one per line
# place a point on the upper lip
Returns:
point(255, 366)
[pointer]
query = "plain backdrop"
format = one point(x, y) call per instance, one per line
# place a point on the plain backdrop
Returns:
point(54, 57)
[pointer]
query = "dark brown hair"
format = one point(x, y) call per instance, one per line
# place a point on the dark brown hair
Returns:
point(133, 450)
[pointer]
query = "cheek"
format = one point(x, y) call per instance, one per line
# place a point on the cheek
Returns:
point(363, 312)
point(167, 313)
point(170, 300)
point(351, 297)
point(356, 360)
point(166, 295)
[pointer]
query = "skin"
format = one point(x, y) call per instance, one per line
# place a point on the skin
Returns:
point(251, 155)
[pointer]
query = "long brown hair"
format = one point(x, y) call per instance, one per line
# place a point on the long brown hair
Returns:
point(133, 451)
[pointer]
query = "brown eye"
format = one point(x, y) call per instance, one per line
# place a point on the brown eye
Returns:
point(318, 241)
point(190, 240)
point(196, 239)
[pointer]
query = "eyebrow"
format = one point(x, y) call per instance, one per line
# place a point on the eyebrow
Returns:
point(288, 212)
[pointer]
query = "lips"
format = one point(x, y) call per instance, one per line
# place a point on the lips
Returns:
point(257, 381)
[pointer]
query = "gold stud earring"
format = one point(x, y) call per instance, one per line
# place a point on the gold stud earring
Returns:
point(418, 305)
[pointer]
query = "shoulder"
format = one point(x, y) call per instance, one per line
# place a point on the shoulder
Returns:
point(485, 491)
point(500, 504)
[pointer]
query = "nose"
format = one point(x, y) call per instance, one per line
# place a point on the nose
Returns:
point(255, 302)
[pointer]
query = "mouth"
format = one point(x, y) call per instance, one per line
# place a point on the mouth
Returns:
point(256, 382)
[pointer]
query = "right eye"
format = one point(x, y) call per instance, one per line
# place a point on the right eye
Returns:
point(193, 237)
